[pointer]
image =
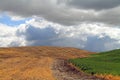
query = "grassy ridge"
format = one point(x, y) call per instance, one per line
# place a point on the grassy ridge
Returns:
point(102, 63)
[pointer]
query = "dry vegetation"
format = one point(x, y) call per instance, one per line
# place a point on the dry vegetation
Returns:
point(34, 63)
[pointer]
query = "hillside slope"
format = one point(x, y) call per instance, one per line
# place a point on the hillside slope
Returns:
point(105, 63)
point(35, 63)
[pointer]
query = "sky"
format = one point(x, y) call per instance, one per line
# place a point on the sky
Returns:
point(92, 25)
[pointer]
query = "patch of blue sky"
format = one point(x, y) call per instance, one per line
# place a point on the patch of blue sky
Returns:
point(5, 19)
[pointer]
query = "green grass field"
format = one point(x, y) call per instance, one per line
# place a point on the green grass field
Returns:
point(101, 63)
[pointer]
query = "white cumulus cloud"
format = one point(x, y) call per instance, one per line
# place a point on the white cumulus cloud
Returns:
point(37, 32)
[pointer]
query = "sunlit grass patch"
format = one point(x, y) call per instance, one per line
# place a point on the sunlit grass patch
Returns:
point(101, 63)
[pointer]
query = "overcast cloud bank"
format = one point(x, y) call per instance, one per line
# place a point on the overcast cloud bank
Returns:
point(66, 12)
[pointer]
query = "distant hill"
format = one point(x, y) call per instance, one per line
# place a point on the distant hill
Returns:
point(105, 63)
point(40, 63)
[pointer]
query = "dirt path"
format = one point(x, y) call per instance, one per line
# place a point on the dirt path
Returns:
point(63, 71)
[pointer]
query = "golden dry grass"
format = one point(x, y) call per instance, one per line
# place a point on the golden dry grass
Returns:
point(109, 77)
point(33, 63)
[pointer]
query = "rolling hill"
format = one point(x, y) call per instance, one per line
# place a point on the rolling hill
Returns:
point(41, 63)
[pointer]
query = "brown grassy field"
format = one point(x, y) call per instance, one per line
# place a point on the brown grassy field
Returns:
point(35, 63)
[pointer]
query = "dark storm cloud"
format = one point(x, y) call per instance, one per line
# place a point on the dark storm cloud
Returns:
point(66, 12)
point(94, 4)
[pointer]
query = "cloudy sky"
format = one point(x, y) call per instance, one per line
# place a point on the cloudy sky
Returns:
point(92, 25)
